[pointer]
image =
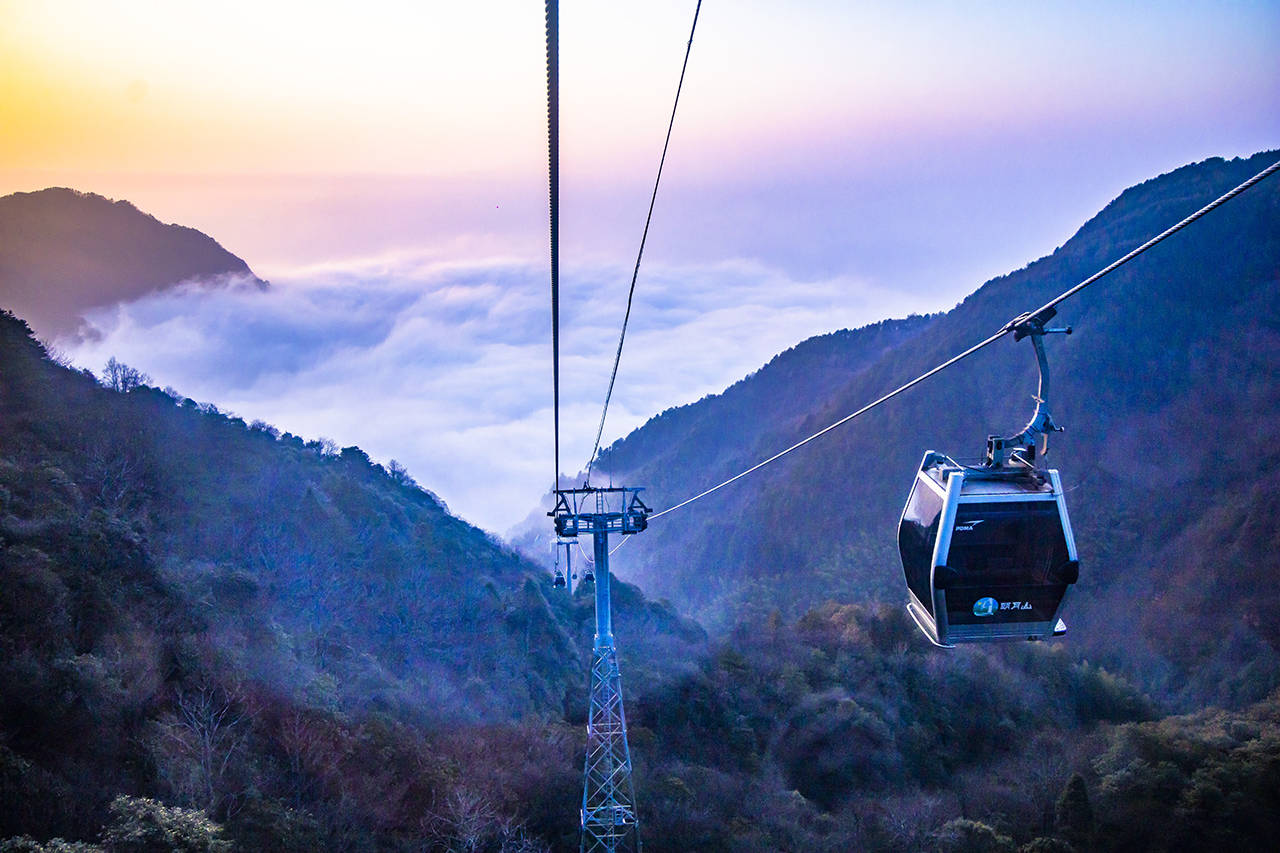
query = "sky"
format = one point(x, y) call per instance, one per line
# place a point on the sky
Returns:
point(384, 166)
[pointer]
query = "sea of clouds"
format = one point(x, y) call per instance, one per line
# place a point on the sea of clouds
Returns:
point(446, 367)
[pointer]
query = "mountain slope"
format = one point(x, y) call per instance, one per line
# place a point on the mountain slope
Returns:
point(312, 565)
point(63, 252)
point(176, 581)
point(350, 571)
point(1165, 393)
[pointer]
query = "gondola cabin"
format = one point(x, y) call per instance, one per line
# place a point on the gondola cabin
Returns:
point(988, 553)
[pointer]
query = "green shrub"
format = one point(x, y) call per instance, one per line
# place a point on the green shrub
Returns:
point(969, 836)
point(140, 825)
point(27, 844)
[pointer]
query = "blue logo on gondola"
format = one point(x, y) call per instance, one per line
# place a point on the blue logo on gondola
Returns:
point(984, 607)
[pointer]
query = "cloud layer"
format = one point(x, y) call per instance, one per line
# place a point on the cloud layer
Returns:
point(446, 367)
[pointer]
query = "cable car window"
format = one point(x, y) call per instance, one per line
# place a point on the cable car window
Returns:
point(916, 536)
point(1008, 543)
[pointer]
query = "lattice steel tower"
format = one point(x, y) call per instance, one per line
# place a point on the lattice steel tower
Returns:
point(608, 819)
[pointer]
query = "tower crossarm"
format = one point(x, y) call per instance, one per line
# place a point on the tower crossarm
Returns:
point(591, 510)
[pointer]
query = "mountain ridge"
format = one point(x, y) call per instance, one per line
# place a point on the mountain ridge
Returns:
point(64, 252)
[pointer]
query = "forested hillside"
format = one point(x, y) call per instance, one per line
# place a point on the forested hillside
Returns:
point(1170, 454)
point(214, 613)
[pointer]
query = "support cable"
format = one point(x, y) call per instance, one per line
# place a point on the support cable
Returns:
point(922, 377)
point(595, 450)
point(1008, 327)
point(1168, 232)
point(553, 173)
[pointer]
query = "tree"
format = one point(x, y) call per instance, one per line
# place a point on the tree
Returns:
point(1046, 845)
point(259, 425)
point(265, 824)
point(469, 822)
point(27, 844)
point(1074, 815)
point(970, 836)
point(400, 474)
point(198, 742)
point(119, 376)
point(140, 825)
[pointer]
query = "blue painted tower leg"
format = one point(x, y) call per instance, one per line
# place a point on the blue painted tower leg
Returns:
point(609, 821)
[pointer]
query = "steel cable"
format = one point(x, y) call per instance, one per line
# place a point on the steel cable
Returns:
point(595, 450)
point(553, 179)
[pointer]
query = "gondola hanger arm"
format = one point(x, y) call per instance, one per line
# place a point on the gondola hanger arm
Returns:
point(1021, 448)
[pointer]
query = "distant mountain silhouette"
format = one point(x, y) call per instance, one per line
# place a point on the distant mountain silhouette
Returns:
point(63, 252)
point(1171, 455)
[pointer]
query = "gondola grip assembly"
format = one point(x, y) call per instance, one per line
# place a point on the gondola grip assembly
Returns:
point(1021, 448)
